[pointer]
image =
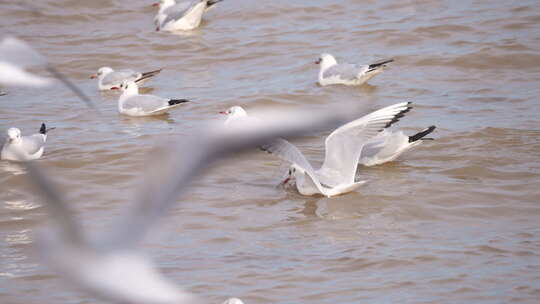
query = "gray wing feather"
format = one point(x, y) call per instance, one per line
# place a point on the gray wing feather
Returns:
point(177, 11)
point(288, 152)
point(345, 71)
point(117, 77)
point(147, 103)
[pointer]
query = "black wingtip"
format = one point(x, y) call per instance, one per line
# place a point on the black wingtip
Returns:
point(421, 134)
point(43, 129)
point(399, 115)
point(212, 2)
point(378, 64)
point(177, 101)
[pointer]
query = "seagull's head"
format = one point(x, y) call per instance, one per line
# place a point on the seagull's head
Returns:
point(102, 72)
point(233, 113)
point(164, 3)
point(236, 111)
point(293, 173)
point(326, 60)
point(129, 87)
point(13, 134)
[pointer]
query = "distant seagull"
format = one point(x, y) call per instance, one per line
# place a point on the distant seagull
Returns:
point(16, 54)
point(233, 301)
point(24, 148)
point(131, 103)
point(109, 79)
point(111, 266)
point(181, 16)
point(387, 146)
point(343, 149)
point(2, 93)
point(332, 72)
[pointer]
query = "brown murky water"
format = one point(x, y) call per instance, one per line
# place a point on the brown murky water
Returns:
point(455, 221)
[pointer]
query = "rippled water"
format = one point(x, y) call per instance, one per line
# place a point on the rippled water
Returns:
point(455, 221)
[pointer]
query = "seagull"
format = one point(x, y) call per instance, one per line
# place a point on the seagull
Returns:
point(16, 54)
point(24, 148)
point(233, 301)
point(387, 146)
point(131, 103)
point(183, 16)
point(109, 79)
point(345, 73)
point(343, 149)
point(111, 266)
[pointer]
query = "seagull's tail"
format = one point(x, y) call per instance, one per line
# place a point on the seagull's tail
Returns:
point(421, 134)
point(173, 102)
point(43, 130)
point(147, 75)
point(378, 65)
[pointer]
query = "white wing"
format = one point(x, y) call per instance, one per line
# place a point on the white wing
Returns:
point(288, 152)
point(344, 145)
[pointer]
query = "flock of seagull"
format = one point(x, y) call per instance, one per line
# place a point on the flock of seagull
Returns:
point(112, 267)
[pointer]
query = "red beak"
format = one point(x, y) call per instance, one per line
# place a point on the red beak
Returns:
point(155, 4)
point(285, 181)
point(223, 112)
point(318, 61)
point(93, 76)
point(115, 88)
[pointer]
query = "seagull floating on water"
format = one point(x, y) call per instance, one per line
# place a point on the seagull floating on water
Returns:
point(332, 72)
point(109, 79)
point(111, 266)
point(24, 148)
point(131, 103)
point(181, 16)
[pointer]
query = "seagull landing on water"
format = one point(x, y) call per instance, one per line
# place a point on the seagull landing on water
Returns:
point(332, 72)
point(343, 149)
point(109, 79)
point(131, 103)
point(24, 148)
point(384, 147)
point(183, 16)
